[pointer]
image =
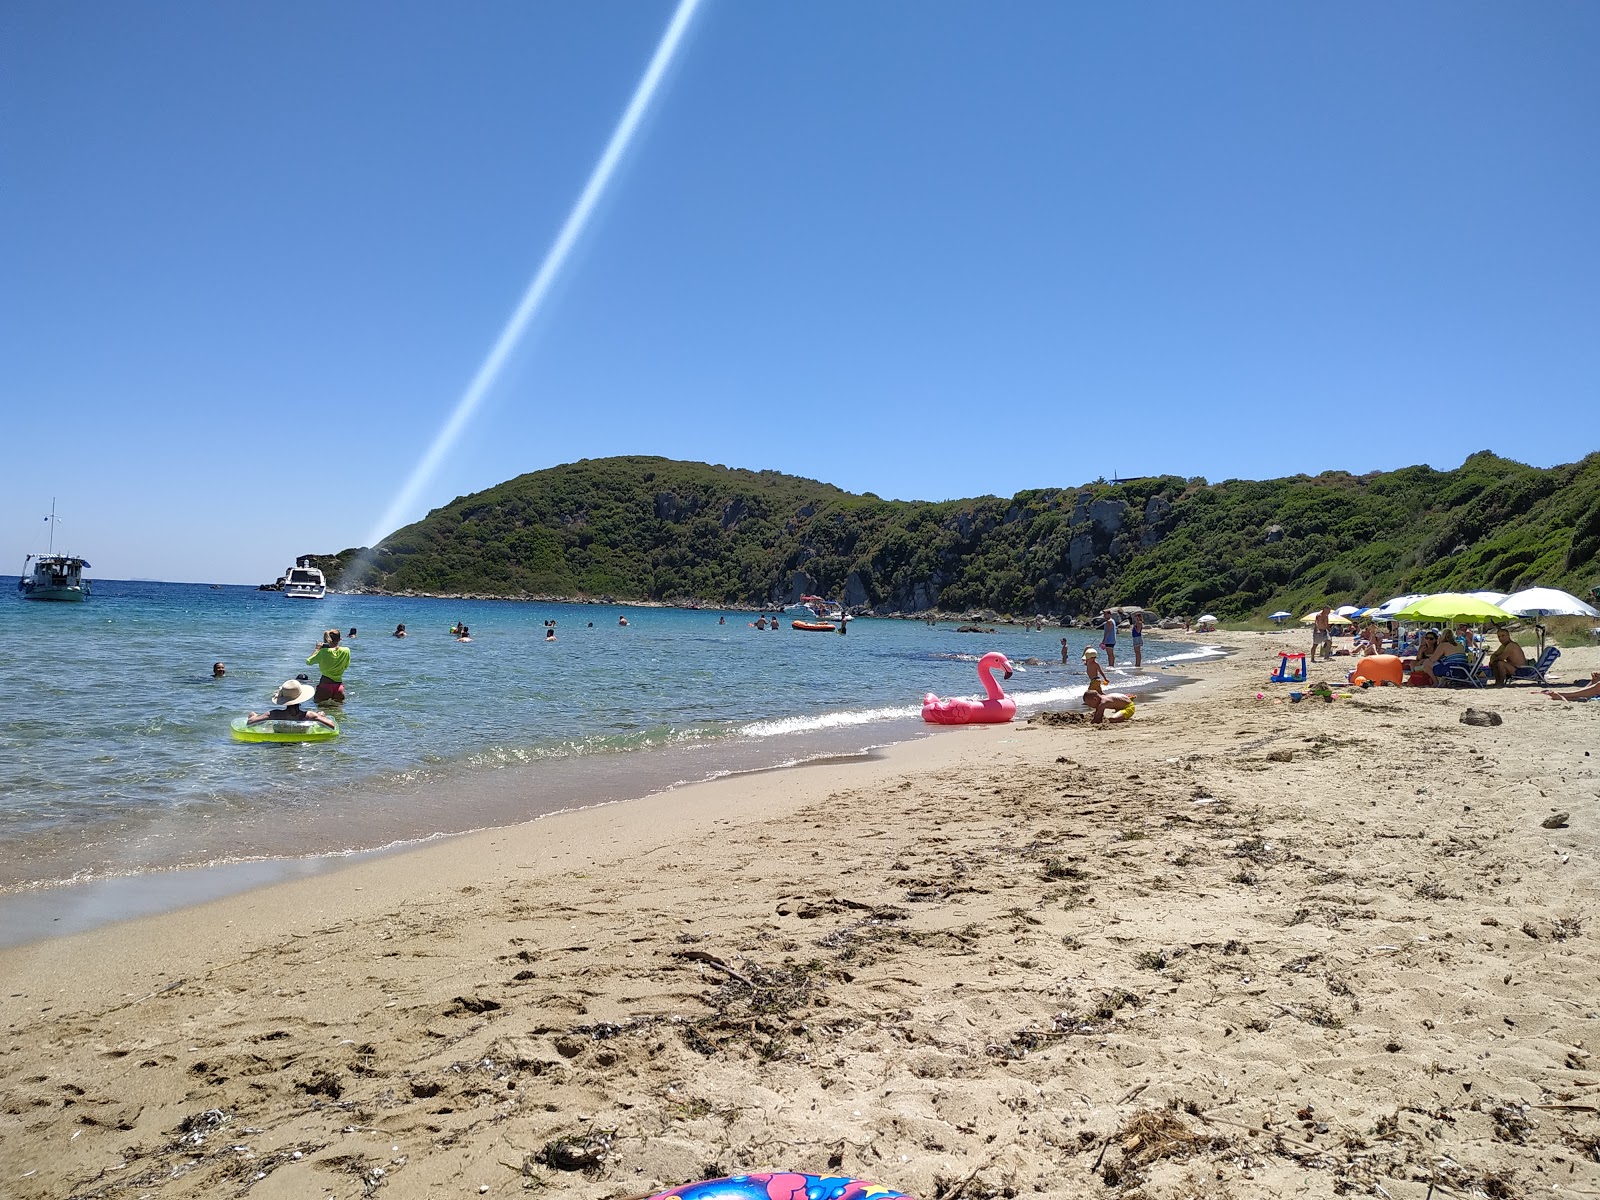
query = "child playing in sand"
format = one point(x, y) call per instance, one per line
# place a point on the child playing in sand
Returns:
point(1109, 706)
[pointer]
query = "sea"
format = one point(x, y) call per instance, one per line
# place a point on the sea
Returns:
point(124, 791)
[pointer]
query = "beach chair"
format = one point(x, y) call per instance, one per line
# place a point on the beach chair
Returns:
point(1456, 669)
point(1536, 670)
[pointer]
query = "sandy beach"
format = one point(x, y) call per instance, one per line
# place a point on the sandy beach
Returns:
point(1237, 947)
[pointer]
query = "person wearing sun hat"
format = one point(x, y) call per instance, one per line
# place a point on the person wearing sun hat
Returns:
point(291, 695)
point(1097, 674)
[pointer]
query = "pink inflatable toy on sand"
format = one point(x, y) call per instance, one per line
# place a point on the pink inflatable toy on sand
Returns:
point(996, 710)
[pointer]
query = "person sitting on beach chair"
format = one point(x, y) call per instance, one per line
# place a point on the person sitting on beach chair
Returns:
point(1583, 693)
point(1507, 657)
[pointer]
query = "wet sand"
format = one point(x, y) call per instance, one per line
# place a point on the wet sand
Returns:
point(1236, 947)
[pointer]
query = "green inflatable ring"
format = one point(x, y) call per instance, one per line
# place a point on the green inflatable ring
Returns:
point(282, 731)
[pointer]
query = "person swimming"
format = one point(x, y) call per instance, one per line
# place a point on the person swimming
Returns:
point(549, 633)
point(400, 630)
point(461, 634)
point(218, 670)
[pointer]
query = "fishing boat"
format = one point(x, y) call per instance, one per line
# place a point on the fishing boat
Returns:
point(52, 576)
point(304, 583)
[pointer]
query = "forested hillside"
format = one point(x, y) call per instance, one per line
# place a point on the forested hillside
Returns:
point(654, 528)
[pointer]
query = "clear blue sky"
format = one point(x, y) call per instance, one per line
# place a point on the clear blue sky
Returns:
point(250, 254)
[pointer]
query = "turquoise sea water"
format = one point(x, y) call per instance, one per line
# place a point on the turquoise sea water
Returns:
point(119, 760)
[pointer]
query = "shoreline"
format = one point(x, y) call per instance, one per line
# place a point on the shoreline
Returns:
point(1233, 947)
point(36, 909)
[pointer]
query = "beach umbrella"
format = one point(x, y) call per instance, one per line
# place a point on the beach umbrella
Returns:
point(1347, 610)
point(1208, 619)
point(1546, 602)
point(1387, 610)
point(1452, 606)
point(1333, 618)
point(1492, 597)
point(1280, 617)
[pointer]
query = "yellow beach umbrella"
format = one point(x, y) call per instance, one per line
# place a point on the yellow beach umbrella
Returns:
point(1333, 618)
point(1452, 606)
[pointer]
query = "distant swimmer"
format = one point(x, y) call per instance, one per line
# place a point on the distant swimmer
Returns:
point(218, 670)
point(722, 620)
point(461, 634)
point(352, 632)
point(291, 696)
point(400, 630)
point(760, 622)
point(549, 634)
point(1063, 651)
point(333, 660)
point(622, 620)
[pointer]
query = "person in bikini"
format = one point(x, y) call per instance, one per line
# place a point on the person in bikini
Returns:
point(1108, 639)
point(1136, 633)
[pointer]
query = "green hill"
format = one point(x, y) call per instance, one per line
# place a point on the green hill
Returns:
point(654, 528)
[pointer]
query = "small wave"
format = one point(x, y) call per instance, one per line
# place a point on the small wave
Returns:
point(833, 720)
point(1199, 654)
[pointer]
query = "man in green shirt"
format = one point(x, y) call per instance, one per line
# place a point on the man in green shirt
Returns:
point(333, 660)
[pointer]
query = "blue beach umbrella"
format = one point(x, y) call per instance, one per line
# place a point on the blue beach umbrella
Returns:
point(1280, 617)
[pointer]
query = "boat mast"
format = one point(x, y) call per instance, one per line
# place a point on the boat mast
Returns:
point(52, 549)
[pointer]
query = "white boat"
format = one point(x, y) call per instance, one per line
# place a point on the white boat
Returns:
point(815, 608)
point(52, 576)
point(304, 583)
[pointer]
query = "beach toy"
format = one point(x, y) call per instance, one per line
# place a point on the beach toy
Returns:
point(282, 731)
point(1284, 675)
point(996, 710)
point(1296, 697)
point(811, 626)
point(1379, 668)
point(782, 1185)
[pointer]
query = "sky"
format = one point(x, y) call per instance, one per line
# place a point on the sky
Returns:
point(251, 255)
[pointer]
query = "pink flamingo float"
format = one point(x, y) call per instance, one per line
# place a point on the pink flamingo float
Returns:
point(996, 710)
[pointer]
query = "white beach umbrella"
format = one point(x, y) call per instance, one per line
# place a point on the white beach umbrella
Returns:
point(1280, 617)
point(1208, 619)
point(1491, 597)
point(1388, 608)
point(1546, 602)
point(1347, 610)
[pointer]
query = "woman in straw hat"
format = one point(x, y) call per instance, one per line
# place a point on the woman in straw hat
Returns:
point(291, 696)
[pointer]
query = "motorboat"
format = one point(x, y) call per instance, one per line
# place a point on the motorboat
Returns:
point(53, 577)
point(304, 583)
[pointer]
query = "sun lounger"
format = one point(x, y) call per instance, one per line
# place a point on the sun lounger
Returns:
point(1535, 671)
point(1456, 669)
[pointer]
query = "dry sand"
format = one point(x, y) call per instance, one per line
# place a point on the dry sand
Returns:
point(1234, 948)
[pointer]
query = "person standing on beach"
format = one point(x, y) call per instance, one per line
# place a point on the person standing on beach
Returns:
point(1322, 634)
point(1108, 640)
point(333, 660)
point(1137, 634)
point(1096, 673)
